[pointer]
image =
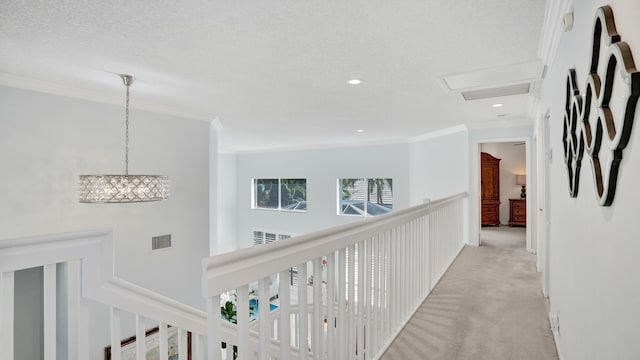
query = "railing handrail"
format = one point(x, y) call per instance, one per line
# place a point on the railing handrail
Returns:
point(95, 250)
point(230, 270)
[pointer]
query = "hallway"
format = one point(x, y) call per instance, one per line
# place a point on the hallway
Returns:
point(488, 305)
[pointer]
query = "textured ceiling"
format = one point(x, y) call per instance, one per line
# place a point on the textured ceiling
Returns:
point(275, 72)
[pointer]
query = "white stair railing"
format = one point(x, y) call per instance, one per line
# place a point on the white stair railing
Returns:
point(369, 278)
point(89, 260)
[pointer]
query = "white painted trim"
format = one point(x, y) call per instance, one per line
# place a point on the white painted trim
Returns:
point(425, 136)
point(232, 270)
point(500, 124)
point(7, 303)
point(556, 338)
point(214, 130)
point(319, 147)
point(552, 29)
point(105, 97)
point(438, 133)
point(474, 189)
point(49, 311)
point(95, 249)
point(529, 168)
point(216, 124)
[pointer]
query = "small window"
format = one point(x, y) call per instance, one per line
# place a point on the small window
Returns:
point(365, 197)
point(280, 194)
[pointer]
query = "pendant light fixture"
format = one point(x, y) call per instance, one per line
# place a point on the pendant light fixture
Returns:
point(123, 188)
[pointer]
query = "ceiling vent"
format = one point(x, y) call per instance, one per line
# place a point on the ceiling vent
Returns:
point(517, 89)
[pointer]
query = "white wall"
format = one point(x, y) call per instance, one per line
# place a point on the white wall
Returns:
point(46, 141)
point(227, 202)
point(594, 286)
point(438, 165)
point(512, 163)
point(322, 169)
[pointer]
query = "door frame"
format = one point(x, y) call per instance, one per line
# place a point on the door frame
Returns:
point(475, 190)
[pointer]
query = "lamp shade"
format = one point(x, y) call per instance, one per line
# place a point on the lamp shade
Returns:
point(123, 188)
point(521, 179)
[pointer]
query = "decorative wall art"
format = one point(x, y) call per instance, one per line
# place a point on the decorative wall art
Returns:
point(589, 118)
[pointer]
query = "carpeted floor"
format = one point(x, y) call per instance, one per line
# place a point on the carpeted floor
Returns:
point(487, 306)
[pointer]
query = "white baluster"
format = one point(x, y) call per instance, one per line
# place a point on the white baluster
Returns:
point(416, 261)
point(421, 258)
point(141, 342)
point(331, 304)
point(183, 344)
point(78, 314)
point(367, 298)
point(264, 315)
point(213, 324)
point(163, 342)
point(243, 322)
point(375, 292)
point(362, 269)
point(424, 260)
point(285, 317)
point(351, 316)
point(318, 318)
point(413, 273)
point(405, 271)
point(116, 353)
point(7, 289)
point(342, 312)
point(399, 274)
point(49, 311)
point(303, 310)
point(199, 347)
point(392, 281)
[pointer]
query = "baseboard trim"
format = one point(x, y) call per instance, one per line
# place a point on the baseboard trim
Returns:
point(556, 339)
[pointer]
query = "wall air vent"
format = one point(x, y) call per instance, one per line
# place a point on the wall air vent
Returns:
point(508, 90)
point(161, 242)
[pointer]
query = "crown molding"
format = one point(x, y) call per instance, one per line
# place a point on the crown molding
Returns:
point(317, 147)
point(438, 133)
point(552, 29)
point(25, 83)
point(509, 123)
point(216, 124)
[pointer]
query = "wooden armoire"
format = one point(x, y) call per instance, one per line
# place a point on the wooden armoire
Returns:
point(490, 188)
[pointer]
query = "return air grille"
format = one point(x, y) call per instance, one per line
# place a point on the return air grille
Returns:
point(516, 89)
point(160, 242)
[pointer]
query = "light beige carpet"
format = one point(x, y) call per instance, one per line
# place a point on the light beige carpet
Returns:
point(487, 306)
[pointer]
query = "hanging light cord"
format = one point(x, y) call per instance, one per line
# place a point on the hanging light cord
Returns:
point(126, 141)
point(127, 79)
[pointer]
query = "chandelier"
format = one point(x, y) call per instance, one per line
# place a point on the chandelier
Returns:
point(123, 188)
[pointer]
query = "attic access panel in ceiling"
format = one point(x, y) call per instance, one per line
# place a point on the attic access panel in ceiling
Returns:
point(499, 81)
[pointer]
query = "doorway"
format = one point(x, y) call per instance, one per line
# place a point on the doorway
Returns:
point(514, 169)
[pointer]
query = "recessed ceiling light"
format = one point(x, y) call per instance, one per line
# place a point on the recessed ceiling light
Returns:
point(501, 115)
point(497, 105)
point(359, 131)
point(354, 82)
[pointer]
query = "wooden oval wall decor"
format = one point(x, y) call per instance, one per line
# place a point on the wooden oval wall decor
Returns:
point(588, 117)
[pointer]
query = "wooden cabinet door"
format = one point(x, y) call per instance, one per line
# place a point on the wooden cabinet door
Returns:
point(490, 189)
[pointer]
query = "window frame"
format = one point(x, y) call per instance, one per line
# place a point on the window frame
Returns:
point(339, 193)
point(254, 195)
